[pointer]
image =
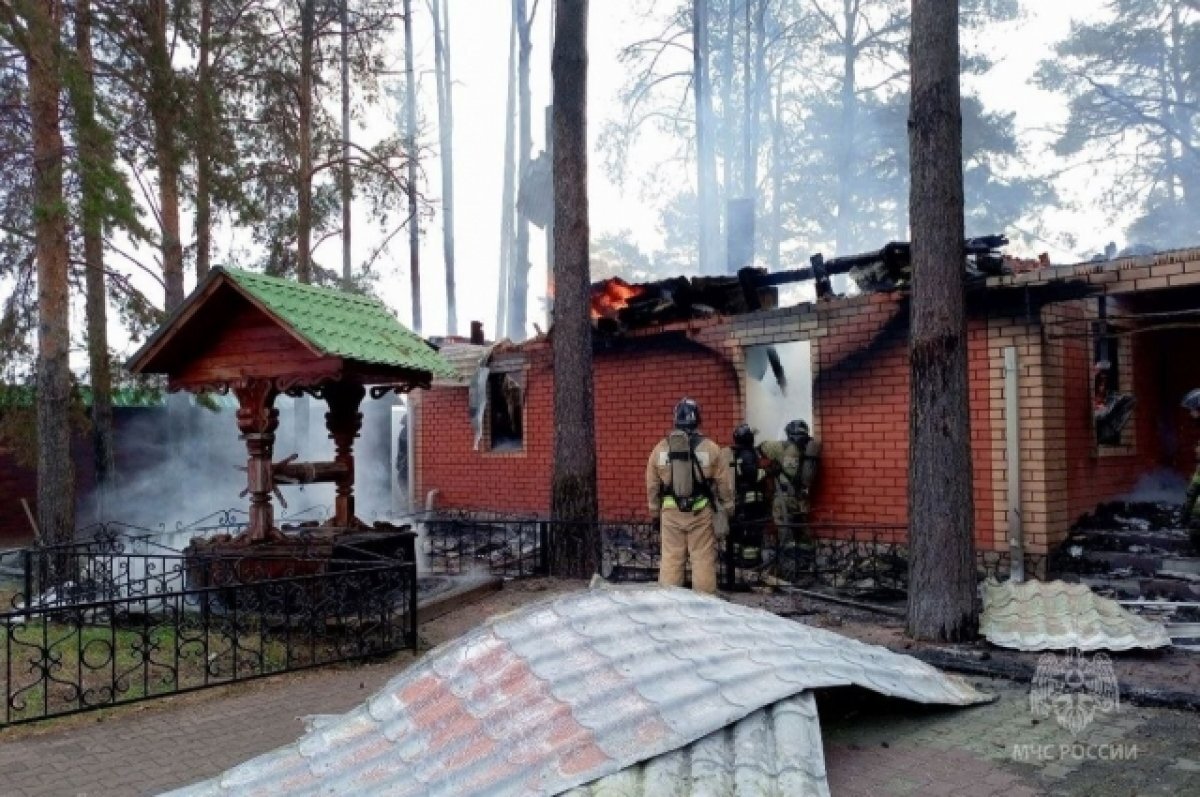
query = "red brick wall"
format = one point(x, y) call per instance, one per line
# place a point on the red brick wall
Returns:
point(862, 405)
point(446, 461)
point(1095, 475)
point(860, 395)
point(635, 396)
point(635, 399)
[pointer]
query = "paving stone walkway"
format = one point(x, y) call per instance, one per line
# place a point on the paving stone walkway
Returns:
point(874, 747)
point(880, 747)
point(157, 746)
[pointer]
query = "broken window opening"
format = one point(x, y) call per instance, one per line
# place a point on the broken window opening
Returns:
point(1107, 356)
point(506, 411)
point(1112, 410)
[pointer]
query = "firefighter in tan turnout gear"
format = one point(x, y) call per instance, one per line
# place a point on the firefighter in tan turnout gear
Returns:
point(750, 496)
point(794, 467)
point(687, 482)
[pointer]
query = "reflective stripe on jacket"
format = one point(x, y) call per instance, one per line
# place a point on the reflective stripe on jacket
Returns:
point(668, 502)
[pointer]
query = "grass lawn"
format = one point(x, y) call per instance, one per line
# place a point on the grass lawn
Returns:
point(56, 666)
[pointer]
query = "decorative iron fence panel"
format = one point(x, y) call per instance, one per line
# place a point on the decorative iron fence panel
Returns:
point(187, 624)
point(500, 546)
point(512, 547)
point(863, 558)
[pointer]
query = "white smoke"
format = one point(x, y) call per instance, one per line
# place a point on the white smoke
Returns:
point(1162, 486)
point(179, 466)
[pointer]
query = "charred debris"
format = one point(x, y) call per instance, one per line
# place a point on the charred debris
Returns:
point(618, 306)
point(1135, 553)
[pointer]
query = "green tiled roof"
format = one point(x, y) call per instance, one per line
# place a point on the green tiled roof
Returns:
point(343, 324)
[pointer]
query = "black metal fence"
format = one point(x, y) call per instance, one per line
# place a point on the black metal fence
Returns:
point(857, 558)
point(117, 617)
point(499, 545)
point(864, 559)
point(860, 559)
point(122, 626)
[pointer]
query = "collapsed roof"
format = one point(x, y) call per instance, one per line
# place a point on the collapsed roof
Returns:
point(617, 305)
point(579, 688)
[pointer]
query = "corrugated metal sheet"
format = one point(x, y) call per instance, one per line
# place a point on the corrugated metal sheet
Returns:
point(1055, 615)
point(774, 752)
point(565, 692)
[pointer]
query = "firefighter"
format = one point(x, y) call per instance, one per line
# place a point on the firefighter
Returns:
point(1189, 517)
point(794, 467)
point(751, 510)
point(685, 486)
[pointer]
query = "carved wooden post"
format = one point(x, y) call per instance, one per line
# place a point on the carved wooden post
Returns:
point(257, 420)
point(344, 422)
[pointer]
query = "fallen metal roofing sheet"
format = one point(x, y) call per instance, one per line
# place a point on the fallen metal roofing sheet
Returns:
point(774, 752)
point(1055, 615)
point(564, 692)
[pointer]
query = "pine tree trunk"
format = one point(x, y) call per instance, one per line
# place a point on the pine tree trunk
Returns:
point(445, 95)
point(518, 300)
point(165, 111)
point(843, 233)
point(94, 154)
point(573, 491)
point(304, 190)
point(748, 104)
point(304, 123)
point(754, 100)
point(508, 201)
point(754, 78)
point(777, 177)
point(347, 187)
point(727, 127)
point(1183, 110)
point(56, 478)
point(206, 134)
point(942, 575)
point(706, 168)
point(410, 142)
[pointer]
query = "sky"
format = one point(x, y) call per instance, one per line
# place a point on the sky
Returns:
point(480, 52)
point(479, 30)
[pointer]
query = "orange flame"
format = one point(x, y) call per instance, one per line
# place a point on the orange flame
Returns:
point(611, 296)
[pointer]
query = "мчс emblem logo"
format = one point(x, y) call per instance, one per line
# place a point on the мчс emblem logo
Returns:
point(1074, 688)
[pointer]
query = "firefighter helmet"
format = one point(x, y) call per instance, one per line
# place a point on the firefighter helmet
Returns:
point(797, 432)
point(687, 415)
point(743, 436)
point(1192, 401)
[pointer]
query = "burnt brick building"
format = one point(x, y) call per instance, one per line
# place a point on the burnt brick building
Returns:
point(846, 370)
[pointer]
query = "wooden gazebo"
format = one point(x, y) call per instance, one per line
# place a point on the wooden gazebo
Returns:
point(261, 337)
